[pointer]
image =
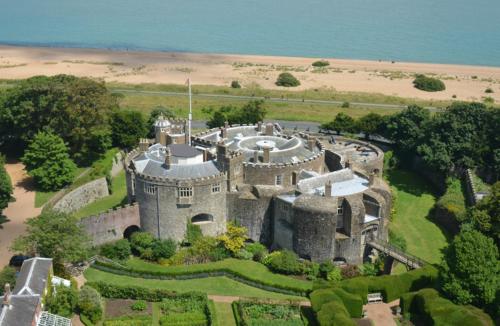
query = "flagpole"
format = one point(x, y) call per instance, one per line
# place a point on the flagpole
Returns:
point(190, 117)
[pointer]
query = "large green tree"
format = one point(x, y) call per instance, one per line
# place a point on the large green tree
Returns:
point(250, 113)
point(5, 186)
point(77, 109)
point(470, 271)
point(47, 161)
point(370, 124)
point(341, 123)
point(127, 127)
point(56, 235)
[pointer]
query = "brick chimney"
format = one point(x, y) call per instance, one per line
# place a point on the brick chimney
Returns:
point(168, 158)
point(269, 129)
point(267, 154)
point(6, 296)
point(328, 188)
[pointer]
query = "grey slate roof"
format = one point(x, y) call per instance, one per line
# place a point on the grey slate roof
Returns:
point(21, 311)
point(32, 278)
point(183, 150)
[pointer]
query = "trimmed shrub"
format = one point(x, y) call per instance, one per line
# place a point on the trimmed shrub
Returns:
point(89, 303)
point(286, 262)
point(286, 79)
point(406, 301)
point(163, 249)
point(428, 84)
point(320, 63)
point(258, 250)
point(243, 254)
point(116, 250)
point(352, 302)
point(140, 241)
point(334, 314)
point(321, 297)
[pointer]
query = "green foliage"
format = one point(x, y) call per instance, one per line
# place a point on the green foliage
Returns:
point(235, 84)
point(154, 115)
point(427, 307)
point(258, 250)
point(320, 63)
point(471, 269)
point(129, 321)
point(89, 303)
point(250, 113)
point(286, 79)
point(334, 313)
point(56, 235)
point(5, 186)
point(185, 310)
point(345, 105)
point(243, 254)
point(116, 250)
point(127, 127)
point(368, 269)
point(234, 238)
point(47, 161)
point(163, 249)
point(428, 84)
point(341, 123)
point(256, 313)
point(140, 241)
point(63, 301)
point(369, 124)
point(397, 240)
point(76, 109)
point(285, 262)
point(193, 233)
point(139, 305)
point(7, 275)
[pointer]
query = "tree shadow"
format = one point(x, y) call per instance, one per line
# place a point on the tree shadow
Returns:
point(3, 219)
point(26, 183)
point(409, 182)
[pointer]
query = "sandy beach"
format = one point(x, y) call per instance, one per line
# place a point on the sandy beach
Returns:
point(384, 77)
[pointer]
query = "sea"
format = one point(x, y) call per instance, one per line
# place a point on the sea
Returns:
point(438, 31)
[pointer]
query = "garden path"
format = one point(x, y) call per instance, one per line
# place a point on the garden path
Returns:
point(18, 211)
point(380, 313)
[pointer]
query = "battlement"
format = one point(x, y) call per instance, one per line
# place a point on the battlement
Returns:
point(175, 181)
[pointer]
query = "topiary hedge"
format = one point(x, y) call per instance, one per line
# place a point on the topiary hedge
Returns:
point(427, 307)
point(334, 313)
point(428, 84)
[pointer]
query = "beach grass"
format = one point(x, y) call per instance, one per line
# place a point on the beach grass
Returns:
point(210, 285)
point(414, 200)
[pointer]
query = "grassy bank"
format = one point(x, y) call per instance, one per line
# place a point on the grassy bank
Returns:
point(411, 220)
point(211, 285)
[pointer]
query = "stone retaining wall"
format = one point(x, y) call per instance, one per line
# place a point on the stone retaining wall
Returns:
point(82, 196)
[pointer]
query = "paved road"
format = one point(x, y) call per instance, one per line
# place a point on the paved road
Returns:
point(301, 125)
point(269, 99)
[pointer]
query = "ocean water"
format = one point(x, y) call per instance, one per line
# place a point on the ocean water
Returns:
point(441, 31)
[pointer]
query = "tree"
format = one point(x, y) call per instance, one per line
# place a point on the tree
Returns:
point(286, 79)
point(428, 84)
point(217, 120)
point(370, 124)
point(154, 115)
point(163, 249)
point(76, 109)
point(63, 301)
point(127, 127)
point(470, 271)
point(47, 161)
point(234, 238)
point(89, 303)
point(141, 241)
point(250, 113)
point(5, 186)
point(235, 84)
point(56, 235)
point(286, 262)
point(341, 123)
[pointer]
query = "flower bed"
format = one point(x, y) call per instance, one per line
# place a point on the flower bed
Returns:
point(269, 313)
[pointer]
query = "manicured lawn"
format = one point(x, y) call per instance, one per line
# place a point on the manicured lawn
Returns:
point(210, 285)
point(225, 314)
point(249, 268)
point(117, 198)
point(414, 201)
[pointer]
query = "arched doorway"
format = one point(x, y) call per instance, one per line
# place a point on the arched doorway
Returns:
point(130, 230)
point(202, 218)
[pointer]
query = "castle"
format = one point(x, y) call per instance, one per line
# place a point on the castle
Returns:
point(323, 200)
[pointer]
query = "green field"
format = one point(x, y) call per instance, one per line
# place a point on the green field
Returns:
point(249, 268)
point(210, 285)
point(414, 201)
point(225, 314)
point(117, 198)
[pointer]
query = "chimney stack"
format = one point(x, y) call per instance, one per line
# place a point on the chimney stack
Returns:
point(6, 295)
point(143, 144)
point(269, 129)
point(163, 138)
point(259, 126)
point(223, 133)
point(328, 188)
point(256, 157)
point(168, 158)
point(221, 150)
point(267, 154)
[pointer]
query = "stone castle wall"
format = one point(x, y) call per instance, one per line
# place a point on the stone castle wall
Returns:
point(111, 225)
point(82, 196)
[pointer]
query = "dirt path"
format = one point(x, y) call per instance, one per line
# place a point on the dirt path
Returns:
point(17, 212)
point(380, 313)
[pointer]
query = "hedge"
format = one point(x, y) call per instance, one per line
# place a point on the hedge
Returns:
point(86, 321)
point(208, 271)
point(212, 314)
point(426, 306)
point(352, 302)
point(334, 314)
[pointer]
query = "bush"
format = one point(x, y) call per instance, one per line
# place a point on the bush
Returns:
point(352, 302)
point(62, 301)
point(345, 105)
point(488, 90)
point(286, 79)
point(286, 262)
point(334, 313)
point(193, 233)
point(325, 268)
point(258, 250)
point(139, 305)
point(140, 241)
point(320, 63)
point(116, 250)
point(163, 249)
point(350, 271)
point(243, 254)
point(235, 84)
point(89, 303)
point(7, 275)
point(428, 84)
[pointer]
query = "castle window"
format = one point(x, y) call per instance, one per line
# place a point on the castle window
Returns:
point(340, 210)
point(279, 180)
point(216, 188)
point(185, 192)
point(150, 188)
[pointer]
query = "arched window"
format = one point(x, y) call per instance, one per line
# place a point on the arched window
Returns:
point(202, 218)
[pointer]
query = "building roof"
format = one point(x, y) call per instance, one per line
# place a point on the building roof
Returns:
point(48, 319)
point(21, 311)
point(32, 278)
point(183, 150)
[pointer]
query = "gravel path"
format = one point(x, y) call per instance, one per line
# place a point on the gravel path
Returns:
point(18, 211)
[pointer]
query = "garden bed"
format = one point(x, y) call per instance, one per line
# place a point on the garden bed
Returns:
point(122, 307)
point(269, 313)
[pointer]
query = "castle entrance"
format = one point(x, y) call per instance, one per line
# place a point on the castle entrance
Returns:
point(130, 230)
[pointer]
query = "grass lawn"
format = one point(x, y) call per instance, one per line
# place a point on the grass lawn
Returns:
point(210, 285)
point(251, 269)
point(225, 314)
point(117, 198)
point(414, 201)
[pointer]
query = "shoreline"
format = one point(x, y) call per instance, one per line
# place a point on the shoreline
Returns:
point(466, 82)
